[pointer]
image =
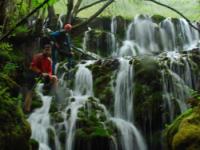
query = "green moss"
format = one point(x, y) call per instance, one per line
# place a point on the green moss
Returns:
point(62, 137)
point(51, 135)
point(57, 117)
point(53, 107)
point(90, 133)
point(157, 18)
point(173, 128)
point(34, 144)
point(100, 132)
point(36, 102)
point(188, 134)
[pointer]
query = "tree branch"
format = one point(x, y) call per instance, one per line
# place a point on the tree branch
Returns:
point(90, 5)
point(164, 5)
point(70, 6)
point(23, 20)
point(76, 8)
point(94, 15)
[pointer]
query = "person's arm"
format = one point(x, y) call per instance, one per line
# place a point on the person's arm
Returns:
point(49, 68)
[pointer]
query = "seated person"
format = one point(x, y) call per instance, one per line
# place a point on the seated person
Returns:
point(41, 66)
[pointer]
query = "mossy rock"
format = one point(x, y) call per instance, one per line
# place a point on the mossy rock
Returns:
point(51, 136)
point(34, 144)
point(157, 18)
point(57, 117)
point(36, 102)
point(53, 107)
point(147, 71)
point(172, 129)
point(188, 135)
point(98, 42)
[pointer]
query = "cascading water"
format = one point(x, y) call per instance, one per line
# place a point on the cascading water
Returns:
point(142, 31)
point(83, 82)
point(176, 83)
point(168, 37)
point(124, 92)
point(83, 90)
point(112, 37)
point(131, 138)
point(40, 121)
point(143, 37)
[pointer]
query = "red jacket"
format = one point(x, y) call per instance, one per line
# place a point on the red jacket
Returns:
point(43, 63)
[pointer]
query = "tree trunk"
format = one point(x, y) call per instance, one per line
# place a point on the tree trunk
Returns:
point(3, 4)
point(70, 6)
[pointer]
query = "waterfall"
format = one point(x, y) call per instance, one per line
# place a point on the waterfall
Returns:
point(40, 121)
point(169, 35)
point(124, 91)
point(113, 41)
point(114, 25)
point(175, 88)
point(83, 81)
point(142, 32)
point(143, 37)
point(85, 40)
point(131, 138)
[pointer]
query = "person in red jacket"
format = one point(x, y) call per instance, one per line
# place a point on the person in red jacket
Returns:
point(41, 66)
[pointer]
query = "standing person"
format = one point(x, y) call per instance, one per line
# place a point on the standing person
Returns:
point(41, 66)
point(62, 44)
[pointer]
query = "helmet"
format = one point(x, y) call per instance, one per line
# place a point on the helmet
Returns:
point(67, 27)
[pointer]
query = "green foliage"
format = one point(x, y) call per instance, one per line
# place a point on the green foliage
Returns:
point(21, 29)
point(35, 3)
point(5, 47)
point(195, 94)
point(9, 68)
point(5, 52)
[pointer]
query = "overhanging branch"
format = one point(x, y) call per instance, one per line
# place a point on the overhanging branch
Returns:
point(94, 15)
point(90, 5)
point(164, 5)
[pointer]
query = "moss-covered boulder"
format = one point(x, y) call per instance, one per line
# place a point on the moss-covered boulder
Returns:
point(99, 42)
point(92, 128)
point(103, 72)
point(183, 133)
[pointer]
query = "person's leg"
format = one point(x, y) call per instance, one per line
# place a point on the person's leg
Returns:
point(28, 101)
point(30, 81)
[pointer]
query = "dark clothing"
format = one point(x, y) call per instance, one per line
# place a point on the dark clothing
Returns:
point(31, 79)
point(62, 44)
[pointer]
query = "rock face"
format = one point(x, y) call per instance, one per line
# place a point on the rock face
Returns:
point(150, 112)
point(99, 42)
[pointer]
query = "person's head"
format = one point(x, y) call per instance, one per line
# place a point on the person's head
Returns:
point(67, 27)
point(47, 50)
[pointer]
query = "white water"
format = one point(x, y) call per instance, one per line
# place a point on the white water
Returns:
point(83, 81)
point(175, 84)
point(130, 137)
point(40, 121)
point(124, 91)
point(140, 39)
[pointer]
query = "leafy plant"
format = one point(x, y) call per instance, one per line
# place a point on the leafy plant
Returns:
point(195, 94)
point(9, 68)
